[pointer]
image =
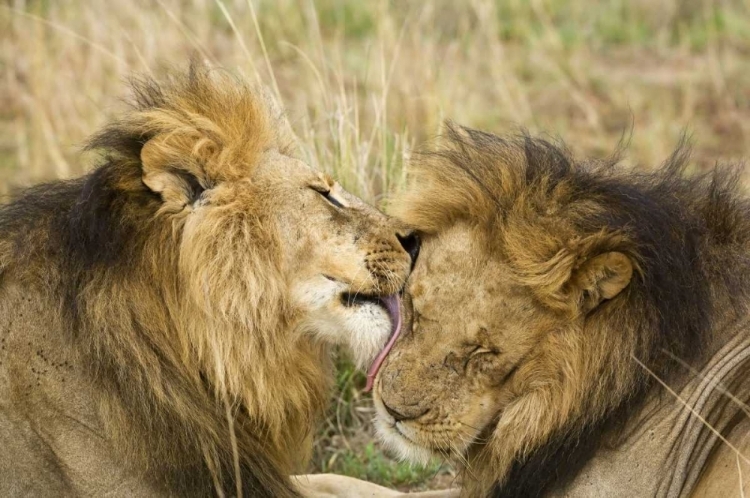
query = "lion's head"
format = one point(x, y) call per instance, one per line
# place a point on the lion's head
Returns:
point(203, 269)
point(541, 280)
point(260, 230)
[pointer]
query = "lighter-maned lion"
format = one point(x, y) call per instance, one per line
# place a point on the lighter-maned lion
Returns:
point(572, 328)
point(165, 320)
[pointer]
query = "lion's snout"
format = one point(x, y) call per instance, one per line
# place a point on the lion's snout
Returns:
point(390, 260)
point(400, 400)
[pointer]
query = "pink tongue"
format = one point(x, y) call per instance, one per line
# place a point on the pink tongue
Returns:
point(393, 304)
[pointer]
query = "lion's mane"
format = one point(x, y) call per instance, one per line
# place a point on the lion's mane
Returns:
point(687, 235)
point(187, 341)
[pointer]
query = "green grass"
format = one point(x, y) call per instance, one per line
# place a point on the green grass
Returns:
point(345, 446)
point(618, 23)
point(370, 464)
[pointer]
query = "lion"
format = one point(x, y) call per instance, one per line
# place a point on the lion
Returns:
point(572, 327)
point(166, 320)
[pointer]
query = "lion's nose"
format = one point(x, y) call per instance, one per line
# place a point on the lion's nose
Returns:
point(410, 242)
point(398, 416)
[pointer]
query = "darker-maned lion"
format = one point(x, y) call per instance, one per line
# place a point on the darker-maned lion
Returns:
point(165, 320)
point(573, 328)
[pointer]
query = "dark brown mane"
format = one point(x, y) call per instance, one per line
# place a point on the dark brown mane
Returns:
point(688, 235)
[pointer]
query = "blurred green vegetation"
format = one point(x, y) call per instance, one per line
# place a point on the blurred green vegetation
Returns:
point(344, 444)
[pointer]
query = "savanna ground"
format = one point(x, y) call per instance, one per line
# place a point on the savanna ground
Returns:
point(364, 82)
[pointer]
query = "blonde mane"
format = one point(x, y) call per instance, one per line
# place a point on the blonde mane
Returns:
point(191, 339)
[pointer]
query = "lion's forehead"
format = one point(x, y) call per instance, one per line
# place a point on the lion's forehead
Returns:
point(453, 278)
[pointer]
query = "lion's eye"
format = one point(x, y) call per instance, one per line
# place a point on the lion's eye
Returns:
point(327, 195)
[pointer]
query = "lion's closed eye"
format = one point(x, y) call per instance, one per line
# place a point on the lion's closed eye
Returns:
point(325, 192)
point(478, 352)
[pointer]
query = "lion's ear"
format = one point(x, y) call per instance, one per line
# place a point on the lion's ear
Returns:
point(165, 175)
point(600, 278)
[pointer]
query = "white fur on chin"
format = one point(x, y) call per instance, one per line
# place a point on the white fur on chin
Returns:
point(404, 449)
point(364, 328)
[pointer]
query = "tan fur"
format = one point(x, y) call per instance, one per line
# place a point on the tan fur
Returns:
point(540, 282)
point(187, 292)
point(332, 485)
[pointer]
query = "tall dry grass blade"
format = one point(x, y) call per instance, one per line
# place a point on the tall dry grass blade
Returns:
point(62, 168)
point(239, 38)
point(692, 410)
point(739, 472)
point(65, 30)
point(187, 33)
point(309, 62)
point(743, 406)
point(267, 60)
point(138, 52)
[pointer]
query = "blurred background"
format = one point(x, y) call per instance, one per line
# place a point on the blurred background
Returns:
point(364, 82)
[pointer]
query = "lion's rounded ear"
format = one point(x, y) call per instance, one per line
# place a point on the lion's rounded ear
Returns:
point(163, 174)
point(601, 278)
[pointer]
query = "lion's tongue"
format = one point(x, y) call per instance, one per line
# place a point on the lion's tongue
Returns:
point(393, 305)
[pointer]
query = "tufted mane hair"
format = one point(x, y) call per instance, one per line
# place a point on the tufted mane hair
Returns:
point(688, 237)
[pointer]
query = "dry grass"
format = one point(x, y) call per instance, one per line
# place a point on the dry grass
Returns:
point(365, 81)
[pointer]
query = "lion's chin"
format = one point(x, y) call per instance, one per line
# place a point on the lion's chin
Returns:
point(364, 328)
point(399, 443)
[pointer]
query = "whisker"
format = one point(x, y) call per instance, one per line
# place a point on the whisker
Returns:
point(464, 462)
point(359, 288)
point(477, 438)
point(389, 277)
point(457, 454)
point(443, 462)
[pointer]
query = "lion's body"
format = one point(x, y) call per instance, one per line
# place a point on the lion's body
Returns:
point(664, 450)
point(51, 434)
point(165, 320)
point(74, 414)
point(577, 328)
